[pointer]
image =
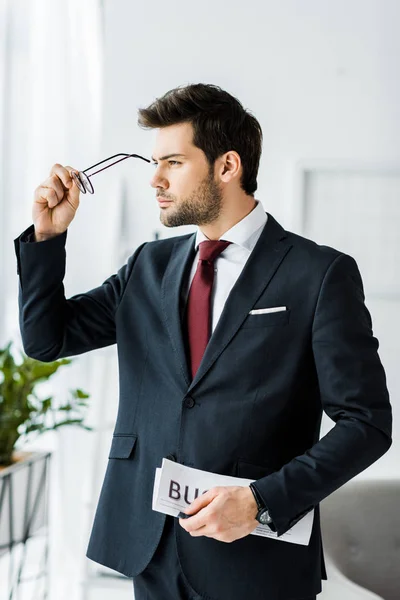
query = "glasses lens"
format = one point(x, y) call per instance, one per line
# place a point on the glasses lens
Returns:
point(76, 177)
point(83, 182)
point(86, 182)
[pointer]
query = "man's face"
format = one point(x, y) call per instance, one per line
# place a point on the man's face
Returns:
point(184, 179)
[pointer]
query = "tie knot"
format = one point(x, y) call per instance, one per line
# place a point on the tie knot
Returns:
point(210, 249)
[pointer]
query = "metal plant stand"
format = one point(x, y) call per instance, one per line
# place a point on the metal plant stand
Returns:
point(24, 516)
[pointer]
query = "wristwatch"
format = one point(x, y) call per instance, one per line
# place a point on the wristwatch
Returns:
point(262, 515)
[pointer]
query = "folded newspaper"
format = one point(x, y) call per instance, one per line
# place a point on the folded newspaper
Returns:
point(176, 486)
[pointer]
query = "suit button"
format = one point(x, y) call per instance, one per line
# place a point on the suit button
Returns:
point(189, 402)
point(171, 457)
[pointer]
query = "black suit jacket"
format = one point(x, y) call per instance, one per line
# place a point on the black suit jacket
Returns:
point(253, 409)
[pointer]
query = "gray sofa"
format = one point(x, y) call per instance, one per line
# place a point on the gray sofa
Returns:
point(361, 535)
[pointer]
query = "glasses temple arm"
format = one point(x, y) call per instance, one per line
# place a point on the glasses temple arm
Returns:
point(114, 163)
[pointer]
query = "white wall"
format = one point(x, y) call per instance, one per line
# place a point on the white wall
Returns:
point(320, 76)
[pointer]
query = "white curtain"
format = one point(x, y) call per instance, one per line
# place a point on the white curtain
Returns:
point(51, 88)
point(51, 66)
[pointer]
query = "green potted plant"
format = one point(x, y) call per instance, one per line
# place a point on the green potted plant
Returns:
point(22, 411)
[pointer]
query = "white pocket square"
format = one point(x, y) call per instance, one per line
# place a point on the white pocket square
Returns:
point(262, 311)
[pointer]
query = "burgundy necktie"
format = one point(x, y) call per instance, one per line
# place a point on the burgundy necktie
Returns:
point(198, 304)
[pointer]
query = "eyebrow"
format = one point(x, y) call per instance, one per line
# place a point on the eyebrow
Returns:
point(167, 156)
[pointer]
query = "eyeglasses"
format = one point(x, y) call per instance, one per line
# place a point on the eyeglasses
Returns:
point(82, 180)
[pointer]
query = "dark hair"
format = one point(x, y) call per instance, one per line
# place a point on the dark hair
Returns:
point(220, 124)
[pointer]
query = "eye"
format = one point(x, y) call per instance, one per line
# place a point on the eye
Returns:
point(170, 162)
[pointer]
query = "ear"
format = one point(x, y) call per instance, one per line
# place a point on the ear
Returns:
point(229, 166)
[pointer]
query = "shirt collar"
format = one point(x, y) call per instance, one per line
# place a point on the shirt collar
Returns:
point(241, 233)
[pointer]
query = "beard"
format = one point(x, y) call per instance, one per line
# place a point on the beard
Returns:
point(203, 206)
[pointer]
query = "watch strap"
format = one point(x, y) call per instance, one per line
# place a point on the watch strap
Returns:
point(261, 506)
point(258, 499)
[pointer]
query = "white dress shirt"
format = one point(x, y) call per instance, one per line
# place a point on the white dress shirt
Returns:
point(229, 264)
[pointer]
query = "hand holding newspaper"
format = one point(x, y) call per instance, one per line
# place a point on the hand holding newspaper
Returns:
point(176, 486)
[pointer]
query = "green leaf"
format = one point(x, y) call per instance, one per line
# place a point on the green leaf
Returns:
point(22, 410)
point(78, 393)
point(66, 422)
point(46, 404)
point(35, 427)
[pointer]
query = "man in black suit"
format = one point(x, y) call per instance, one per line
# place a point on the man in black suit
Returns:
point(231, 341)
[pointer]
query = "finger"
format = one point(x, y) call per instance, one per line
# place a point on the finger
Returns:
point(74, 187)
point(71, 170)
point(63, 173)
point(192, 523)
point(199, 520)
point(201, 501)
point(46, 195)
point(204, 530)
point(54, 182)
point(74, 192)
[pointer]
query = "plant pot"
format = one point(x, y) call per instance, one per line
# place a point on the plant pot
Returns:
point(23, 498)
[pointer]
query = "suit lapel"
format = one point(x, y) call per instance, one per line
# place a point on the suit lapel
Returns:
point(173, 297)
point(266, 257)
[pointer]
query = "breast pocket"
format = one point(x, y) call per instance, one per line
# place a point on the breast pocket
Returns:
point(267, 319)
point(122, 445)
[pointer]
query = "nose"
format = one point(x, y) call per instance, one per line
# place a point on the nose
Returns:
point(158, 180)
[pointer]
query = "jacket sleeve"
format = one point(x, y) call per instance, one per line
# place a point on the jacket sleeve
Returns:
point(53, 327)
point(353, 393)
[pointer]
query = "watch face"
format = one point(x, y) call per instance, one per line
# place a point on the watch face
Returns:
point(265, 518)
